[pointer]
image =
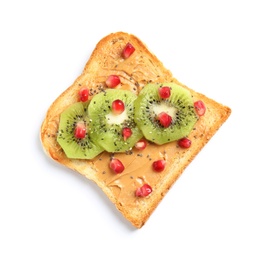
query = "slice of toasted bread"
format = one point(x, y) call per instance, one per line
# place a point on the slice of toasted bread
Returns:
point(139, 69)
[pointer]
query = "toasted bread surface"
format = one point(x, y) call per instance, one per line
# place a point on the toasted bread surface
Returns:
point(135, 72)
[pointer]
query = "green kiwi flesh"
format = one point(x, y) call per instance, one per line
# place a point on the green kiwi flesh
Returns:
point(106, 127)
point(179, 106)
point(76, 148)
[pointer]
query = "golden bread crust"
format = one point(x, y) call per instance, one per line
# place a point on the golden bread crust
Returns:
point(141, 68)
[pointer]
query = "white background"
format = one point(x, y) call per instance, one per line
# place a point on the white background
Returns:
point(220, 208)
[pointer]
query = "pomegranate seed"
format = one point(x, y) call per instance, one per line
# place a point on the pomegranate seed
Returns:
point(200, 107)
point(113, 81)
point(164, 119)
point(116, 165)
point(80, 130)
point(118, 106)
point(164, 92)
point(126, 132)
point(184, 142)
point(159, 165)
point(143, 191)
point(83, 94)
point(141, 144)
point(128, 50)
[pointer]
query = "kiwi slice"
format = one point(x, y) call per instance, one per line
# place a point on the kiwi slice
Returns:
point(113, 127)
point(73, 134)
point(165, 116)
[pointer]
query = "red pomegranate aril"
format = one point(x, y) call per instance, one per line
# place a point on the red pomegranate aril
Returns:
point(128, 50)
point(184, 142)
point(143, 191)
point(84, 94)
point(159, 165)
point(116, 165)
point(141, 144)
point(126, 133)
point(113, 81)
point(164, 119)
point(118, 106)
point(200, 107)
point(164, 92)
point(80, 130)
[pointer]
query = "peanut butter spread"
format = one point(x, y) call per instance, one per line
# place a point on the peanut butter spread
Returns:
point(134, 73)
point(138, 168)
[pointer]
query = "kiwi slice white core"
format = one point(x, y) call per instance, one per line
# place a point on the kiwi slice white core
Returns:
point(164, 107)
point(117, 119)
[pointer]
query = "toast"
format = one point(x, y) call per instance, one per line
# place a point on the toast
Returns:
point(135, 72)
